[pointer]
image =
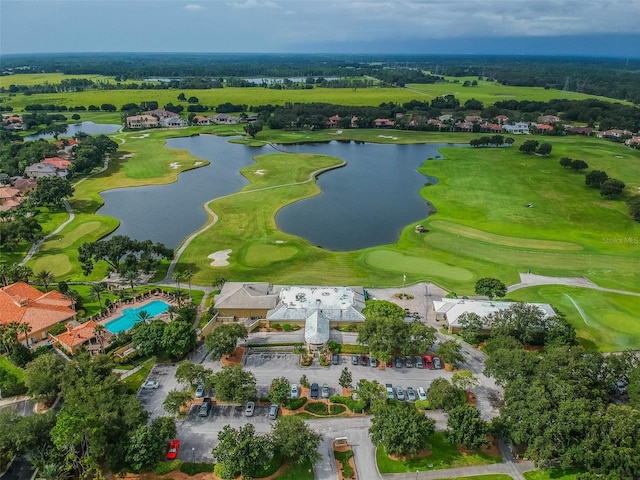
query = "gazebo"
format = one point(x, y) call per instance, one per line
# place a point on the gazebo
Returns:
point(316, 330)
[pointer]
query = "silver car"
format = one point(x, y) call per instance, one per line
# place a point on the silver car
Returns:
point(151, 384)
point(422, 394)
point(411, 394)
point(200, 391)
point(399, 393)
point(249, 409)
point(294, 391)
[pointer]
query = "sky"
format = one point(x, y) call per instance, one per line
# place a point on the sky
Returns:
point(517, 27)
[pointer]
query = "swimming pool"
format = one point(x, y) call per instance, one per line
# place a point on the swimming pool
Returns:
point(130, 317)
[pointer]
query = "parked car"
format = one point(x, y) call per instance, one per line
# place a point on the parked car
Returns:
point(355, 359)
point(364, 361)
point(205, 408)
point(200, 391)
point(294, 391)
point(437, 363)
point(151, 384)
point(335, 359)
point(273, 412)
point(408, 362)
point(373, 362)
point(389, 364)
point(422, 394)
point(411, 394)
point(398, 362)
point(174, 446)
point(249, 409)
point(390, 394)
point(620, 387)
point(315, 389)
point(399, 393)
point(419, 362)
point(427, 361)
point(325, 390)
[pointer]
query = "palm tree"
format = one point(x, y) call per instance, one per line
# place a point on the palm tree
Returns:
point(10, 336)
point(44, 278)
point(188, 275)
point(98, 331)
point(176, 277)
point(4, 274)
point(144, 316)
point(74, 296)
point(20, 273)
point(219, 282)
point(24, 329)
point(132, 277)
point(96, 291)
point(172, 310)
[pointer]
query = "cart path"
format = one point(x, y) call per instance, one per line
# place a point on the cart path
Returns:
point(530, 280)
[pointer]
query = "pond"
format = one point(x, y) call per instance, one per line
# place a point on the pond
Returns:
point(368, 202)
point(90, 128)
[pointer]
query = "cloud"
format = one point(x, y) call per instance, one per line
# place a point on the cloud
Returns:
point(247, 4)
point(193, 7)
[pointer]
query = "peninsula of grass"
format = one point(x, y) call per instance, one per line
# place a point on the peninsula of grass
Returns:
point(443, 455)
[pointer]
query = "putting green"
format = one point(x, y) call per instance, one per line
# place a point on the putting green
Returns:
point(260, 255)
point(605, 319)
point(58, 264)
point(82, 230)
point(406, 264)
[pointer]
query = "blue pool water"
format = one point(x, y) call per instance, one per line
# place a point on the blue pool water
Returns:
point(129, 316)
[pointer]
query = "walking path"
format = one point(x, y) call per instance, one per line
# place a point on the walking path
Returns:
point(530, 279)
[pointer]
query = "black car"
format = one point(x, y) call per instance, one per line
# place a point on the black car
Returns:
point(335, 359)
point(398, 362)
point(364, 361)
point(205, 408)
point(315, 390)
point(408, 362)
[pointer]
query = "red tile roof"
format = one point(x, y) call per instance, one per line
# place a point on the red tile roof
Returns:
point(57, 162)
point(22, 303)
point(76, 336)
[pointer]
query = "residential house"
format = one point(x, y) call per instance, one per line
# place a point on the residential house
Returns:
point(501, 119)
point(549, 119)
point(543, 128)
point(490, 128)
point(173, 122)
point(519, 128)
point(446, 118)
point(80, 336)
point(59, 163)
point(225, 119)
point(200, 120)
point(383, 123)
point(473, 119)
point(633, 142)
point(354, 122)
point(436, 123)
point(451, 309)
point(38, 170)
point(22, 303)
point(138, 122)
point(463, 127)
point(570, 129)
point(10, 198)
point(161, 113)
point(614, 134)
point(333, 121)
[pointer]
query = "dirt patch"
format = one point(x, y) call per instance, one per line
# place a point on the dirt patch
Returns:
point(471, 398)
point(420, 454)
point(235, 359)
point(492, 449)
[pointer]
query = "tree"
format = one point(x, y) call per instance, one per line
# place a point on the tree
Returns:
point(400, 428)
point(566, 162)
point(133, 278)
point(44, 278)
point(464, 379)
point(42, 377)
point(471, 327)
point(544, 149)
point(98, 331)
point(442, 394)
point(579, 165)
point(144, 448)
point(188, 275)
point(422, 338)
point(529, 146)
point(384, 336)
point(253, 128)
point(346, 378)
point(233, 384)
point(382, 309)
point(612, 188)
point(175, 400)
point(293, 438)
point(491, 288)
point(178, 339)
point(280, 389)
point(466, 427)
point(223, 340)
point(633, 204)
point(51, 191)
point(451, 352)
point(595, 178)
point(370, 391)
point(192, 374)
point(182, 97)
point(193, 99)
point(96, 290)
point(242, 452)
point(148, 337)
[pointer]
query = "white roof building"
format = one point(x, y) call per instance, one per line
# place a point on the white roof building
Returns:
point(450, 309)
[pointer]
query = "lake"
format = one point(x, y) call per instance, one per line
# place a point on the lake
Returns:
point(90, 128)
point(368, 202)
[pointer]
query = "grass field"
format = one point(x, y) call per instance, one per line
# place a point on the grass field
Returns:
point(551, 474)
point(443, 455)
point(495, 476)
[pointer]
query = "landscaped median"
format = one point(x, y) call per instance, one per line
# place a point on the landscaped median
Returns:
point(439, 455)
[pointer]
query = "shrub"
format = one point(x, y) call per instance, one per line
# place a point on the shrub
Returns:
point(286, 327)
point(275, 326)
point(194, 468)
point(423, 405)
point(295, 404)
point(222, 471)
point(162, 468)
point(334, 346)
point(320, 408)
point(353, 405)
point(304, 381)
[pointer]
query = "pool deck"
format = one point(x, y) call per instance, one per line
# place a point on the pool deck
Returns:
point(117, 308)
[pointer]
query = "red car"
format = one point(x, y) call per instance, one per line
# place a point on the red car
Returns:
point(427, 362)
point(174, 446)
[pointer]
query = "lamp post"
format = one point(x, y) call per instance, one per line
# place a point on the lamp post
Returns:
point(416, 474)
point(193, 454)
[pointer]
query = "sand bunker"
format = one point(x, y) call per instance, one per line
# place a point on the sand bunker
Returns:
point(144, 135)
point(260, 172)
point(175, 165)
point(387, 136)
point(279, 241)
point(128, 155)
point(220, 258)
point(197, 163)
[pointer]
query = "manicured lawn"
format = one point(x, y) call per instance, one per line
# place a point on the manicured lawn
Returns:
point(444, 455)
point(135, 380)
point(552, 474)
point(495, 476)
point(6, 365)
point(298, 472)
point(606, 320)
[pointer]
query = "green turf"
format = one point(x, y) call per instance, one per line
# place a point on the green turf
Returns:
point(298, 472)
point(552, 474)
point(607, 320)
point(494, 476)
point(134, 381)
point(443, 455)
point(6, 365)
